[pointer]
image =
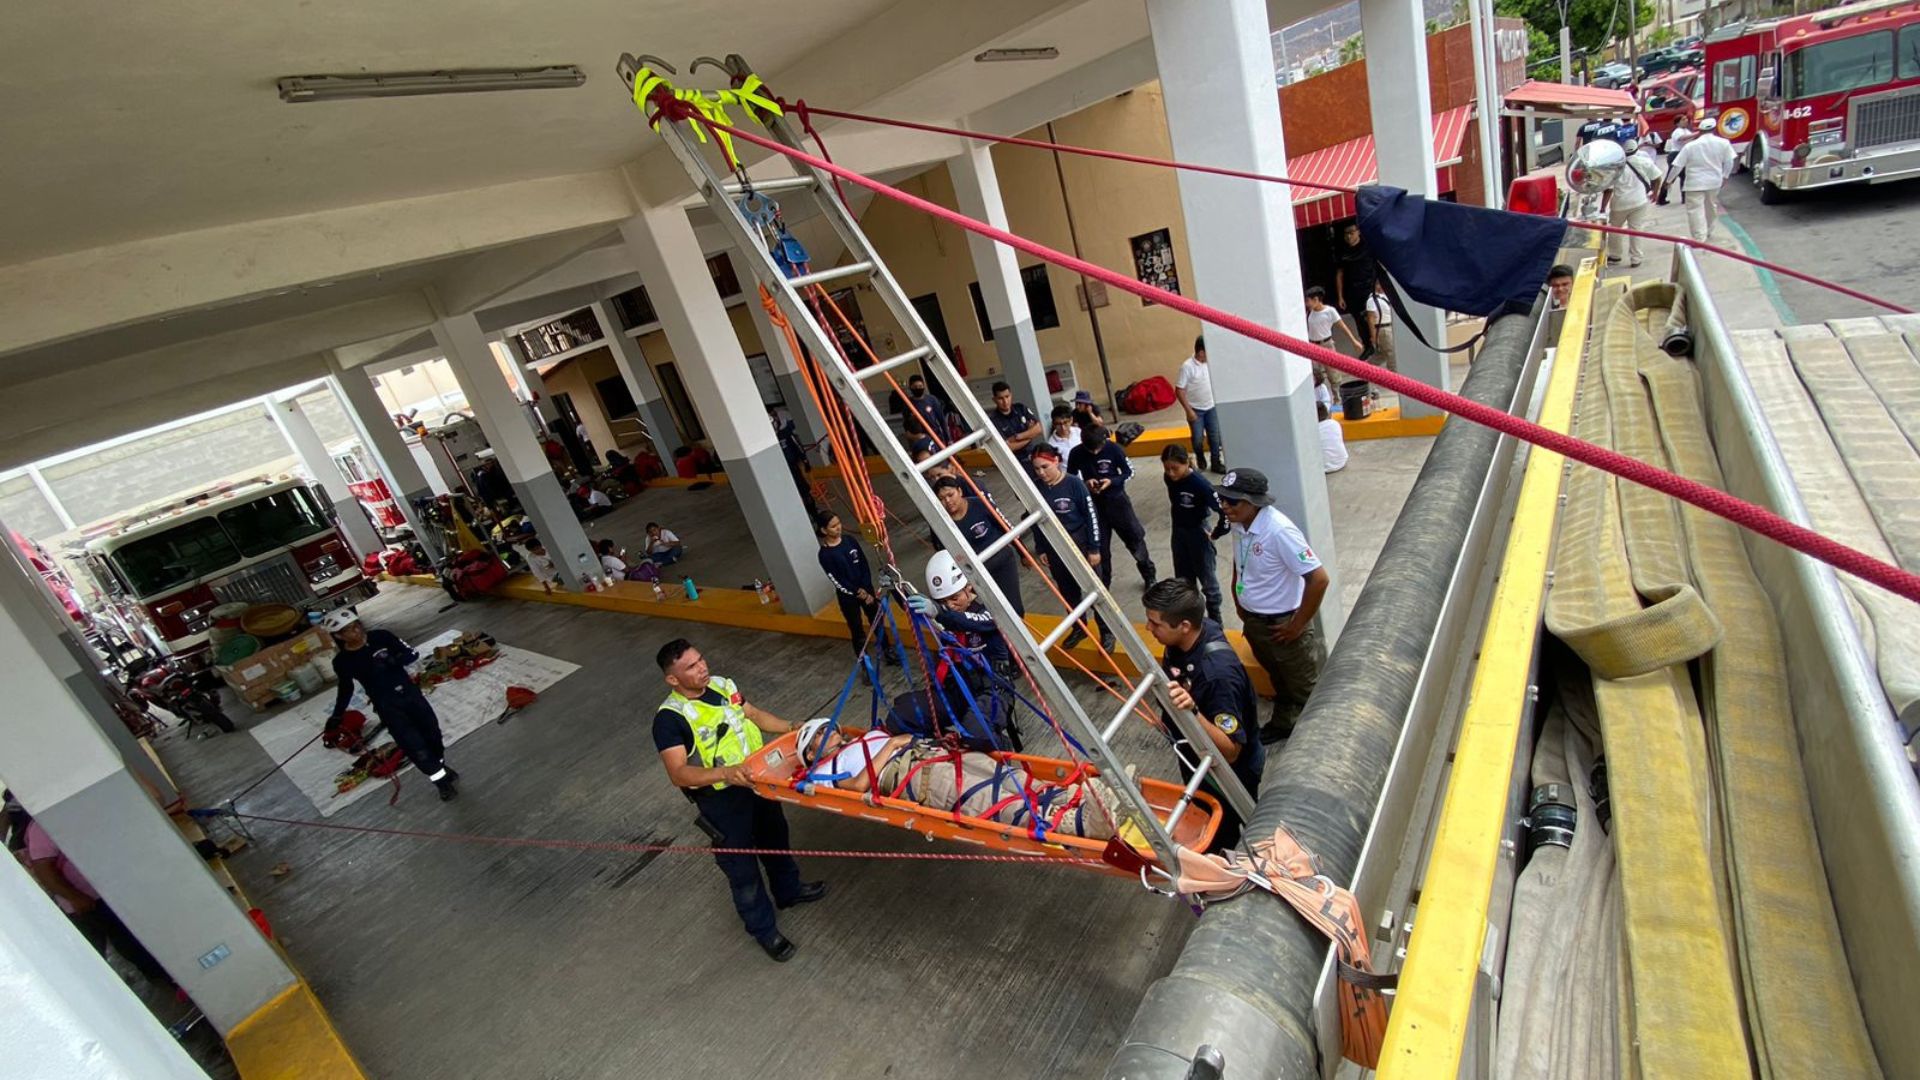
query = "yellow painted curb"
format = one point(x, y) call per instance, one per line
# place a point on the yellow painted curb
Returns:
point(1431, 1012)
point(291, 1038)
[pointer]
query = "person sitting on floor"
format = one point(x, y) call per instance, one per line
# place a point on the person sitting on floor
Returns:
point(613, 560)
point(663, 547)
point(1333, 441)
point(963, 782)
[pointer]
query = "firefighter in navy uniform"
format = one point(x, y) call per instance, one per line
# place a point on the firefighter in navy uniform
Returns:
point(705, 730)
point(377, 660)
point(1102, 463)
point(1210, 681)
point(954, 606)
point(1067, 496)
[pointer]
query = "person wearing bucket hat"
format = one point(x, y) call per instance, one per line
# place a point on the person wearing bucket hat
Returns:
point(1278, 584)
point(377, 660)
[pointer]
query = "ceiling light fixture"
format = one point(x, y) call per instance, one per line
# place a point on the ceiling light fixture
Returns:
point(299, 88)
point(1044, 52)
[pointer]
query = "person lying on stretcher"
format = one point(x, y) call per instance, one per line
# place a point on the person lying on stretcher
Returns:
point(965, 782)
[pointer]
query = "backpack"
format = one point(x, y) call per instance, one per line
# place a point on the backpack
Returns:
point(981, 727)
point(1147, 395)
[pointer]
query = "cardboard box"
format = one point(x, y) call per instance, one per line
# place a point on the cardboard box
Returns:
point(255, 677)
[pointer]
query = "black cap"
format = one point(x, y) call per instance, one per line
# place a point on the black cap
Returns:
point(1246, 485)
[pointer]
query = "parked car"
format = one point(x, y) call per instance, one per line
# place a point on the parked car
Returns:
point(1613, 75)
point(1660, 63)
point(1690, 43)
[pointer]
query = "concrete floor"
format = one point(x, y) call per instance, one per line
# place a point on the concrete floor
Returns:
point(448, 959)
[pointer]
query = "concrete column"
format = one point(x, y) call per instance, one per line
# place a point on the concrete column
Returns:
point(1216, 72)
point(386, 447)
point(68, 1013)
point(640, 383)
point(714, 368)
point(503, 419)
point(318, 464)
point(530, 388)
point(807, 422)
point(1396, 35)
point(976, 190)
point(76, 784)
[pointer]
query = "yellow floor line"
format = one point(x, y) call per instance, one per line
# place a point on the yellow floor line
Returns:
point(741, 608)
point(1431, 1009)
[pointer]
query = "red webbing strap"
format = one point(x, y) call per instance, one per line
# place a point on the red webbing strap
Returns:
point(1239, 174)
point(1739, 511)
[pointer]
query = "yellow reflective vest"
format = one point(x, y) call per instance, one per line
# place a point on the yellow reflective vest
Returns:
point(722, 734)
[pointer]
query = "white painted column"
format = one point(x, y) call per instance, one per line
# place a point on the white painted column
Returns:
point(807, 421)
point(68, 1013)
point(1487, 104)
point(1396, 37)
point(387, 449)
point(638, 375)
point(1216, 72)
point(976, 191)
point(502, 417)
point(714, 369)
point(77, 786)
point(297, 428)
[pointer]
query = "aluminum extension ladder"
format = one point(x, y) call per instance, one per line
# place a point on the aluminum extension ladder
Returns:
point(1095, 736)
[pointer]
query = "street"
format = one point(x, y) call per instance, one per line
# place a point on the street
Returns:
point(1856, 235)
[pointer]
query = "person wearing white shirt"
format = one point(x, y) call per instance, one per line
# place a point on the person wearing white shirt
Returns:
point(1379, 316)
point(1278, 584)
point(1193, 388)
point(1064, 435)
point(1628, 202)
point(1321, 395)
point(1333, 441)
point(1322, 321)
point(663, 547)
point(1703, 166)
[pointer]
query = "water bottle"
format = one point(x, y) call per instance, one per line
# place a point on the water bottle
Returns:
point(687, 584)
point(658, 592)
point(760, 589)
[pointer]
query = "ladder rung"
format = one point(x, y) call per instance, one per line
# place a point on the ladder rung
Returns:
point(785, 183)
point(1013, 535)
point(1139, 694)
point(949, 450)
point(831, 273)
point(1186, 796)
point(1067, 624)
point(890, 363)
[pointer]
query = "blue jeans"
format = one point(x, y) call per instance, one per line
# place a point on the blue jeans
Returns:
point(1206, 421)
point(667, 557)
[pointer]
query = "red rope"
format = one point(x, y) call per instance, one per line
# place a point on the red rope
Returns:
point(1739, 511)
point(1212, 170)
point(665, 849)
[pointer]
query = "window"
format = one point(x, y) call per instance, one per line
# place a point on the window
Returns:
point(182, 554)
point(675, 392)
point(274, 522)
point(1910, 52)
point(1838, 66)
point(635, 308)
point(928, 308)
point(980, 311)
point(1733, 79)
point(615, 398)
point(720, 267)
point(1039, 297)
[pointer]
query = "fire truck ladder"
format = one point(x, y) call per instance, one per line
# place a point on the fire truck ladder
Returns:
point(724, 193)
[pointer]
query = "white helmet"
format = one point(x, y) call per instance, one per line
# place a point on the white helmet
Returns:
point(339, 619)
point(944, 576)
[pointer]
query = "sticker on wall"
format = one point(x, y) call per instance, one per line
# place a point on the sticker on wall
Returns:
point(1153, 261)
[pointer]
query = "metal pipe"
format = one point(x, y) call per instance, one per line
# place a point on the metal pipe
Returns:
point(1245, 981)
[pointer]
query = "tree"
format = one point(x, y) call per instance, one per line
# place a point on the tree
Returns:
point(1352, 49)
point(1590, 21)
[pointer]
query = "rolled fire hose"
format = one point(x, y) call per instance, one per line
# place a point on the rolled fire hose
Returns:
point(1802, 1013)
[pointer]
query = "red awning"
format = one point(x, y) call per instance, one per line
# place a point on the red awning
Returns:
point(1553, 95)
point(1352, 163)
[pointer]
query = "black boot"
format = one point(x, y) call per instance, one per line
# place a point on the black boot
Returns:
point(809, 892)
point(1148, 573)
point(1217, 466)
point(447, 791)
point(778, 947)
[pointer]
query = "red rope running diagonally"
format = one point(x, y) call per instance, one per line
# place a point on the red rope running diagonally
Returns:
point(666, 849)
point(1213, 170)
point(1745, 514)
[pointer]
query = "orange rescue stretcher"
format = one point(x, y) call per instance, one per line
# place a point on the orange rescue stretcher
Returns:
point(774, 767)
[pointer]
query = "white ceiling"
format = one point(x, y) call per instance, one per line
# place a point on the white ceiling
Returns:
point(167, 214)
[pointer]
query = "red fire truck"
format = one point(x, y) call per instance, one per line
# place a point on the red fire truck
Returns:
point(264, 540)
point(1835, 96)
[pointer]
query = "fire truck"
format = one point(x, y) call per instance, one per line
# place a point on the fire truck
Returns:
point(1822, 99)
point(260, 541)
